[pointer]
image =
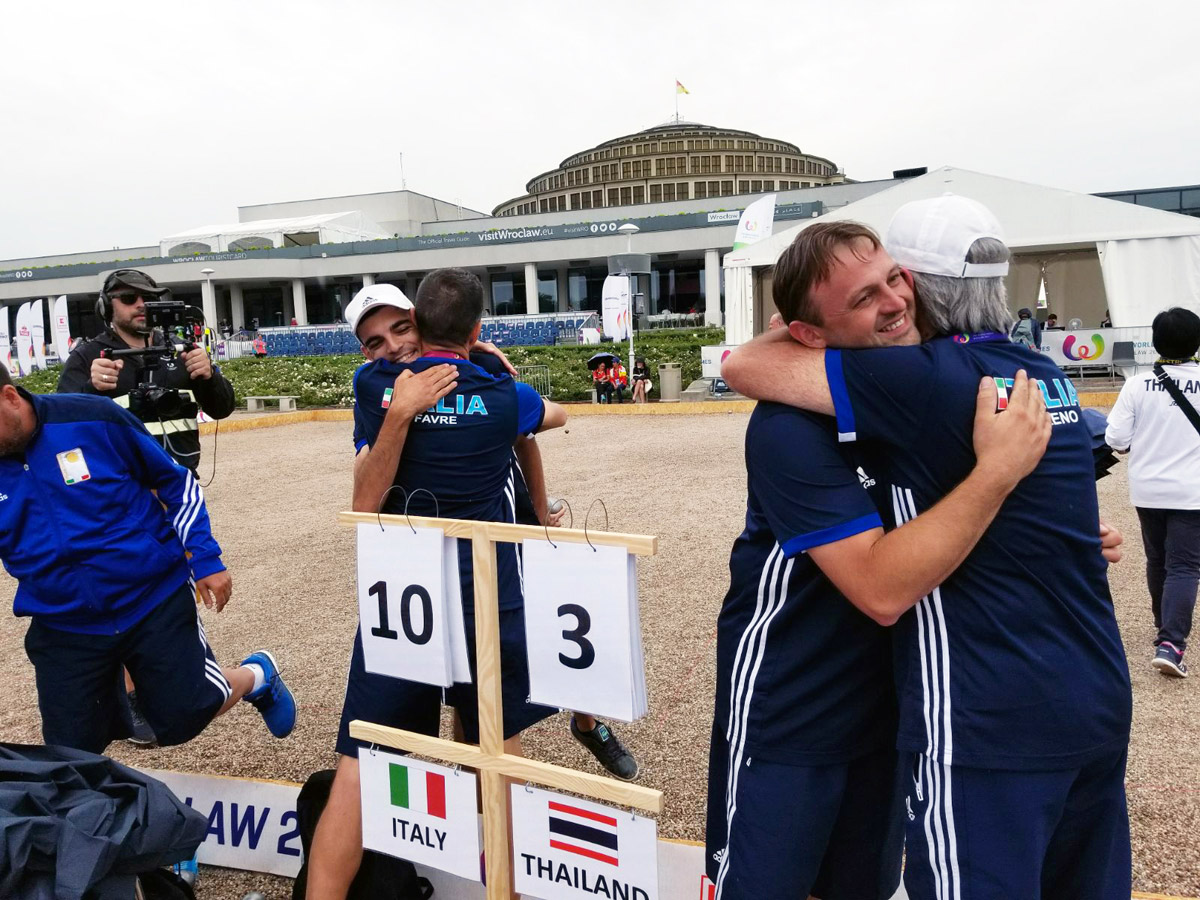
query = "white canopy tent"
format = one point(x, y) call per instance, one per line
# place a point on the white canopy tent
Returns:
point(325, 228)
point(1095, 253)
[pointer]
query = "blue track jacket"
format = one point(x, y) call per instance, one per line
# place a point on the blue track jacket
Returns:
point(92, 548)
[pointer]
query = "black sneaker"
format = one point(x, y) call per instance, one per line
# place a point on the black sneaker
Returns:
point(143, 735)
point(608, 750)
point(1169, 661)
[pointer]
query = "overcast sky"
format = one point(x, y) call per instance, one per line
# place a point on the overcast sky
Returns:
point(128, 121)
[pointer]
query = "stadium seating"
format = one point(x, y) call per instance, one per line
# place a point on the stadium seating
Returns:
point(506, 331)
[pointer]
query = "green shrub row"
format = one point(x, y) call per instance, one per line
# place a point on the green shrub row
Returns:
point(326, 380)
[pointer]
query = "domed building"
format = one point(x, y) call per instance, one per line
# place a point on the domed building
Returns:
point(673, 161)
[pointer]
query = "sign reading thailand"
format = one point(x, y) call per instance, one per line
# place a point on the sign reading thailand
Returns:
point(564, 849)
point(420, 811)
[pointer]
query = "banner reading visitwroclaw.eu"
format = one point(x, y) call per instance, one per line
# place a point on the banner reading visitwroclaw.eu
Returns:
point(570, 849)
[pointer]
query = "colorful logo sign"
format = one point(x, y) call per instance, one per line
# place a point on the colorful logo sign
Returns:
point(1083, 351)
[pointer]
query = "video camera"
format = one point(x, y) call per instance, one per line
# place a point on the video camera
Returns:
point(176, 322)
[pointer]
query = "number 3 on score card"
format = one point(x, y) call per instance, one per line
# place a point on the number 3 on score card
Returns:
point(402, 603)
point(578, 629)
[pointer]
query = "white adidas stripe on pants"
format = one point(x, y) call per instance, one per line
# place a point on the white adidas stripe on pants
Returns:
point(772, 592)
point(935, 763)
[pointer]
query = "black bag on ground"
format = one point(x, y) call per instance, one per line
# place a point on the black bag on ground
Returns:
point(380, 877)
point(163, 884)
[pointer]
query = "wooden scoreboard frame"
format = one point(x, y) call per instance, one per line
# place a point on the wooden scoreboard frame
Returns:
point(496, 767)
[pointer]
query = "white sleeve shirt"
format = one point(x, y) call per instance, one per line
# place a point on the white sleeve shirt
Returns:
point(1164, 448)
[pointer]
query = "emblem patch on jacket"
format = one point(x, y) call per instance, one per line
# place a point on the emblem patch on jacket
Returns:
point(74, 466)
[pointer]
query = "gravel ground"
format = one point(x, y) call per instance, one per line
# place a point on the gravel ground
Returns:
point(680, 477)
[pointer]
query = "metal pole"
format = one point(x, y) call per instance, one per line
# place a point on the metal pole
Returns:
point(632, 305)
point(632, 321)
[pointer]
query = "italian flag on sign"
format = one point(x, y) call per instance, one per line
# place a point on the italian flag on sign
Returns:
point(413, 789)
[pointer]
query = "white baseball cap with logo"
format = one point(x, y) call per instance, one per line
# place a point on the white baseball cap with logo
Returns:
point(371, 298)
point(932, 237)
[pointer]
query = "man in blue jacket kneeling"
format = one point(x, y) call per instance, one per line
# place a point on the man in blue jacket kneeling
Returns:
point(96, 523)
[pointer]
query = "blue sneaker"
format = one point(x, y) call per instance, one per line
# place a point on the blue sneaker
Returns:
point(1168, 659)
point(273, 699)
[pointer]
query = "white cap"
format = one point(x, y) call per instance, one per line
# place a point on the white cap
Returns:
point(372, 297)
point(932, 237)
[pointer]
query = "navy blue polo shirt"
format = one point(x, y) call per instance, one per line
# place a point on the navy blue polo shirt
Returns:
point(1015, 662)
point(457, 457)
point(803, 677)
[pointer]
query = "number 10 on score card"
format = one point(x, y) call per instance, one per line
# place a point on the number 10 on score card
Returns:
point(582, 629)
point(402, 603)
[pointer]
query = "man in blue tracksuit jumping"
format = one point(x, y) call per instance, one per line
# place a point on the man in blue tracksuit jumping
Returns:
point(96, 522)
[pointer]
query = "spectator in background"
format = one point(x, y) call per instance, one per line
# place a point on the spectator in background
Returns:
point(1162, 437)
point(1106, 322)
point(602, 384)
point(642, 385)
point(1026, 330)
point(1052, 321)
point(619, 378)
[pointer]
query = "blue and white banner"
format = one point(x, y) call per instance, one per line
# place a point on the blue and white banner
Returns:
point(6, 359)
point(615, 307)
point(37, 334)
point(251, 824)
point(24, 340)
point(62, 329)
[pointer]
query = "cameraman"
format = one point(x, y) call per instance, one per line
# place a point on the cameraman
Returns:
point(122, 306)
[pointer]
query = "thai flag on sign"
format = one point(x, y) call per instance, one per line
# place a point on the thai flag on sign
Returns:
point(418, 790)
point(584, 832)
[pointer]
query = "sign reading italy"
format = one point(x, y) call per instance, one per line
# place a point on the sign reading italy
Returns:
point(565, 849)
point(420, 812)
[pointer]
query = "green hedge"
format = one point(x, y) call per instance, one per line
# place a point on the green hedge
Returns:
point(326, 380)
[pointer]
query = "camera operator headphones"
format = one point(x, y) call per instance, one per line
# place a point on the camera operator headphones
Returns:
point(104, 308)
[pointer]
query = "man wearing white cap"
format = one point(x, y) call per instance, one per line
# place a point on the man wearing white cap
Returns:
point(1014, 693)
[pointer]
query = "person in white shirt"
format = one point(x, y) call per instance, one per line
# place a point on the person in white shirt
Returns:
point(1164, 479)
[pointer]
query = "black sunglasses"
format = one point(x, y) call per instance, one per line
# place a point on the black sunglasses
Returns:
point(130, 299)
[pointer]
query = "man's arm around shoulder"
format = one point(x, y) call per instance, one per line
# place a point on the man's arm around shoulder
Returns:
point(375, 466)
point(884, 574)
point(774, 366)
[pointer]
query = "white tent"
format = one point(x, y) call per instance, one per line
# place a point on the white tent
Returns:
point(1096, 253)
point(326, 228)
